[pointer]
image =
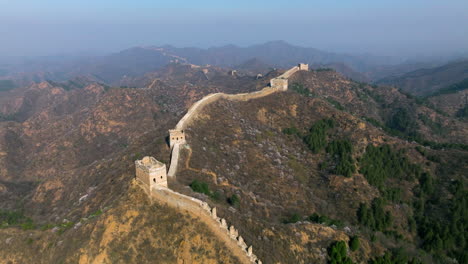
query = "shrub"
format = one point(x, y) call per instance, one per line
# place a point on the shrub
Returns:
point(336, 104)
point(95, 214)
point(341, 150)
point(15, 218)
point(200, 187)
point(338, 252)
point(291, 131)
point(234, 200)
point(321, 219)
point(402, 120)
point(374, 217)
point(294, 218)
point(28, 224)
point(300, 89)
point(316, 140)
point(354, 243)
point(380, 163)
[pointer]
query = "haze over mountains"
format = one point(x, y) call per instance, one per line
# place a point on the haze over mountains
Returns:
point(111, 69)
point(234, 132)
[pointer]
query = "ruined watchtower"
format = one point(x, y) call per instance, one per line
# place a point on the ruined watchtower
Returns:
point(176, 136)
point(279, 83)
point(303, 67)
point(151, 172)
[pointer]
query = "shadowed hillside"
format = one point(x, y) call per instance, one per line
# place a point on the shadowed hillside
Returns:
point(295, 172)
point(429, 80)
point(305, 156)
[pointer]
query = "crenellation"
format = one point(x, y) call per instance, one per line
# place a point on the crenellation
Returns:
point(206, 207)
point(213, 213)
point(249, 251)
point(303, 67)
point(241, 243)
point(223, 223)
point(232, 232)
point(176, 136)
point(152, 173)
point(280, 84)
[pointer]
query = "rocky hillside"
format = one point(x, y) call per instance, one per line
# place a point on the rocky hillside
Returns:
point(429, 80)
point(67, 153)
point(295, 171)
point(398, 113)
point(130, 230)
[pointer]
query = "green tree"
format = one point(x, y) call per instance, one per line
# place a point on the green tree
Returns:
point(234, 200)
point(354, 243)
point(338, 253)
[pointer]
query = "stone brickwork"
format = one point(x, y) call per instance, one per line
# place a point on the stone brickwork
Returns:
point(174, 160)
point(279, 83)
point(209, 215)
point(176, 136)
point(151, 172)
point(303, 67)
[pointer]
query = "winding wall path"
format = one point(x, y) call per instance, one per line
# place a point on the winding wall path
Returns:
point(197, 207)
point(196, 108)
point(208, 215)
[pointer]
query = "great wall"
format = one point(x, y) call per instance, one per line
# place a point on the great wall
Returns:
point(153, 177)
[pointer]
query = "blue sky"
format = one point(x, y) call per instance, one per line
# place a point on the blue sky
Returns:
point(43, 27)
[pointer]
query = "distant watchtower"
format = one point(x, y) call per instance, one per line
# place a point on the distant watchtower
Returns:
point(279, 83)
point(176, 136)
point(151, 172)
point(303, 67)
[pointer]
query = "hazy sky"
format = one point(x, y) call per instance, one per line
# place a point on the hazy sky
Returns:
point(387, 27)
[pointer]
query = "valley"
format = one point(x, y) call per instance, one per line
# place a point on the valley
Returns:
point(292, 171)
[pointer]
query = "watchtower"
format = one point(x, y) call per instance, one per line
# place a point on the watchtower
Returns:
point(151, 172)
point(303, 67)
point(176, 136)
point(279, 83)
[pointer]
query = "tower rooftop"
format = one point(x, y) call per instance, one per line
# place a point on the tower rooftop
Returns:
point(150, 163)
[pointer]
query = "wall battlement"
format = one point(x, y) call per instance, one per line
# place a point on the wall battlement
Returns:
point(279, 83)
point(176, 136)
point(228, 233)
point(152, 173)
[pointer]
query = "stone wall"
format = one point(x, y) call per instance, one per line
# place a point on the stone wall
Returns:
point(228, 233)
point(151, 172)
point(176, 136)
point(196, 108)
point(289, 73)
point(195, 206)
point(174, 160)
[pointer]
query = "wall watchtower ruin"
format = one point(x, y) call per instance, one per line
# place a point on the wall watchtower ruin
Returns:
point(303, 67)
point(176, 136)
point(151, 172)
point(279, 83)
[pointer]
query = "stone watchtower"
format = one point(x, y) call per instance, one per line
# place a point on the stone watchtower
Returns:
point(279, 83)
point(303, 67)
point(151, 172)
point(176, 136)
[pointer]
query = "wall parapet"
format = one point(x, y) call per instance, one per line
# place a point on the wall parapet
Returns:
point(174, 160)
point(201, 208)
point(177, 138)
point(198, 106)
